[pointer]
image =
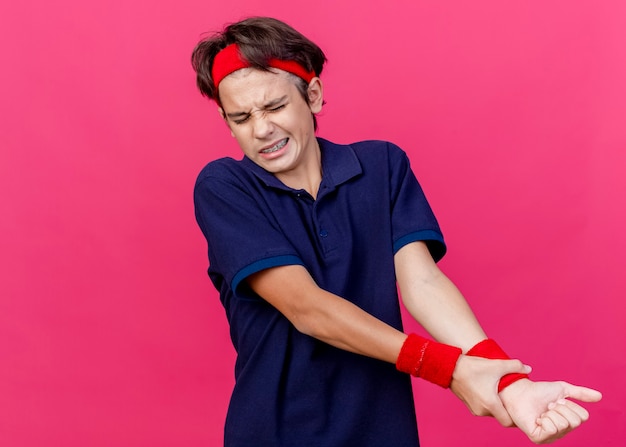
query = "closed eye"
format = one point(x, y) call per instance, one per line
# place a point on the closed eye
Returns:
point(242, 120)
point(271, 107)
point(245, 118)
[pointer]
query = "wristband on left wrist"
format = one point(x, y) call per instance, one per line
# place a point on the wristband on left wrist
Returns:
point(489, 349)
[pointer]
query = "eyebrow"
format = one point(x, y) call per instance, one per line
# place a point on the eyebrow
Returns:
point(267, 105)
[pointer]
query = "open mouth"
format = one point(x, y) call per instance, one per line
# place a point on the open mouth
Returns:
point(278, 146)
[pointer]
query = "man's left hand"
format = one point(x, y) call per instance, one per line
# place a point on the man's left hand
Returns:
point(544, 411)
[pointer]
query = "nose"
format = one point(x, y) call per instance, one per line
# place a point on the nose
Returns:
point(263, 126)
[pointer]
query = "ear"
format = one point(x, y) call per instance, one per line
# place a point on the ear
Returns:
point(316, 94)
point(223, 115)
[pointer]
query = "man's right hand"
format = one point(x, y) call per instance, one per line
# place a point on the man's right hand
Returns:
point(475, 381)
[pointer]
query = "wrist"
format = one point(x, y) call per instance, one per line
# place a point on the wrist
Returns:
point(489, 349)
point(514, 390)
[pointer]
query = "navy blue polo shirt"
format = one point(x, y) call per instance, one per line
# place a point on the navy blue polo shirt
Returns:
point(291, 389)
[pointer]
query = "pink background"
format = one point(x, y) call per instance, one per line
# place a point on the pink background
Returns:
point(513, 114)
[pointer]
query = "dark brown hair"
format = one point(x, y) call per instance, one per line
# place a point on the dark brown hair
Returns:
point(259, 39)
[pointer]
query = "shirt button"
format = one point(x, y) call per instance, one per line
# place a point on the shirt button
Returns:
point(323, 233)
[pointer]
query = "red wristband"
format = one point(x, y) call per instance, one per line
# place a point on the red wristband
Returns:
point(489, 349)
point(428, 359)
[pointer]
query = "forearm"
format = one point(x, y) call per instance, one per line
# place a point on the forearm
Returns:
point(325, 316)
point(433, 300)
point(344, 325)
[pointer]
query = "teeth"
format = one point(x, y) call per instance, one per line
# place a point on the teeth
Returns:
point(276, 147)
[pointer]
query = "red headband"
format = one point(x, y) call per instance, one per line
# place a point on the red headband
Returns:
point(229, 60)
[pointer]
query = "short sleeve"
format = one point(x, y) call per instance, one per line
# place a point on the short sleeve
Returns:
point(412, 217)
point(241, 237)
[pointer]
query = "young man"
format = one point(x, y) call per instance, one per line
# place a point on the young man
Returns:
point(306, 241)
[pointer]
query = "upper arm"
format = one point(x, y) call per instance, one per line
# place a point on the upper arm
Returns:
point(433, 300)
point(411, 215)
point(415, 267)
point(243, 236)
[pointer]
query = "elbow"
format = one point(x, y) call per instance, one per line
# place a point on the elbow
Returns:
point(312, 323)
point(305, 323)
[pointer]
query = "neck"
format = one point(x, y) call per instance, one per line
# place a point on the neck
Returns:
point(308, 176)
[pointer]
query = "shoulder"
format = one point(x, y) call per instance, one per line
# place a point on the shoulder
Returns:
point(376, 145)
point(375, 151)
point(227, 173)
point(366, 146)
point(381, 155)
point(221, 169)
point(371, 151)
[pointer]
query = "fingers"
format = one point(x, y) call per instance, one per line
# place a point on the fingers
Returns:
point(561, 418)
point(574, 413)
point(580, 412)
point(550, 427)
point(514, 366)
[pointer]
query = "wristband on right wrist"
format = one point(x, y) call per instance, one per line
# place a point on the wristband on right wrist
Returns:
point(428, 359)
point(489, 349)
